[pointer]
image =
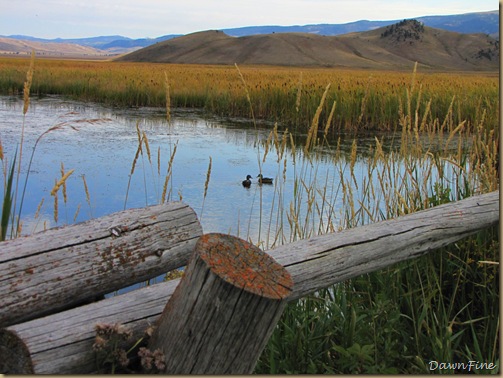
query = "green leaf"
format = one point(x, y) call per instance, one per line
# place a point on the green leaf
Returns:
point(7, 203)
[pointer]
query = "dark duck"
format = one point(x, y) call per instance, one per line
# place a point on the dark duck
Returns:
point(264, 180)
point(247, 183)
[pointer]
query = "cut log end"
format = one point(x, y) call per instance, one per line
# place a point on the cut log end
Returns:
point(244, 266)
point(222, 313)
point(14, 355)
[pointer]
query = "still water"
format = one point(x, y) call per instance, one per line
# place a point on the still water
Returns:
point(100, 144)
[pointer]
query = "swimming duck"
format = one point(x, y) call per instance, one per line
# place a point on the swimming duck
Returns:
point(264, 180)
point(247, 183)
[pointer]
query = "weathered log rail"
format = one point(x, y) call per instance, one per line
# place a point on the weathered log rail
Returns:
point(46, 272)
point(62, 342)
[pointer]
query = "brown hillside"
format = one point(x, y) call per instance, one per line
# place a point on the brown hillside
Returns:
point(433, 48)
point(393, 47)
point(10, 46)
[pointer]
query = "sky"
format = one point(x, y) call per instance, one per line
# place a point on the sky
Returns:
point(155, 18)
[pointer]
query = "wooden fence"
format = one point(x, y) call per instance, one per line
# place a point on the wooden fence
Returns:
point(224, 308)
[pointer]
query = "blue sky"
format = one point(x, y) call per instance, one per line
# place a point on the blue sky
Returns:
point(154, 18)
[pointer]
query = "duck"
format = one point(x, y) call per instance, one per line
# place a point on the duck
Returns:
point(264, 180)
point(247, 183)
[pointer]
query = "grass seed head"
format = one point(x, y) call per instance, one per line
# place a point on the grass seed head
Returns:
point(27, 84)
point(61, 182)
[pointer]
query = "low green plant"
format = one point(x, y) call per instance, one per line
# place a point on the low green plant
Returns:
point(7, 201)
point(441, 307)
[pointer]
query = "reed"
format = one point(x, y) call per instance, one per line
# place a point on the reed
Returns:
point(61, 182)
point(139, 151)
point(365, 101)
point(88, 196)
point(442, 145)
point(57, 185)
point(441, 307)
point(165, 194)
point(206, 185)
point(168, 98)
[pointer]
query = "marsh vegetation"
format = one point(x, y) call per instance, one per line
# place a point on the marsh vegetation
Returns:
point(434, 138)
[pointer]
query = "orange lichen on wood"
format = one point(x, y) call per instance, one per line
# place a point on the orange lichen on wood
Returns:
point(244, 265)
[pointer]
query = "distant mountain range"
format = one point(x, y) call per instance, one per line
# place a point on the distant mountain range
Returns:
point(482, 22)
point(396, 46)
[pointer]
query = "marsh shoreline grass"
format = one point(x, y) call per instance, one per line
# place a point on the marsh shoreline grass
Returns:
point(364, 100)
point(441, 307)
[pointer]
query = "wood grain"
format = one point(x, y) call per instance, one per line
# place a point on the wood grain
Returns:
point(62, 267)
point(62, 343)
point(224, 309)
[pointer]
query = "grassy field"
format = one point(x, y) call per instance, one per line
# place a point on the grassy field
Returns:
point(443, 307)
point(363, 100)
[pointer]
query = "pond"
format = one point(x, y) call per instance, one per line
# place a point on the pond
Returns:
point(100, 145)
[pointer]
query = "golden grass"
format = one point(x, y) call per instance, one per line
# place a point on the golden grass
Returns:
point(88, 196)
point(27, 83)
point(432, 160)
point(61, 182)
point(366, 100)
point(54, 191)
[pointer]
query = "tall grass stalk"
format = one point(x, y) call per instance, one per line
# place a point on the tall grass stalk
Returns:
point(167, 181)
point(139, 150)
point(206, 185)
point(26, 105)
point(441, 307)
point(88, 196)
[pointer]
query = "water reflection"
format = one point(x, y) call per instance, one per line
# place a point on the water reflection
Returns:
point(100, 143)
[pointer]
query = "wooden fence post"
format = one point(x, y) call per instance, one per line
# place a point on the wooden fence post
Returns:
point(61, 343)
point(224, 309)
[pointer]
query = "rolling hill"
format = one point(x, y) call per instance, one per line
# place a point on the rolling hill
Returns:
point(391, 47)
point(12, 46)
point(478, 22)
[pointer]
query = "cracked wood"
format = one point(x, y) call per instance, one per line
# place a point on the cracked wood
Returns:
point(61, 343)
point(62, 267)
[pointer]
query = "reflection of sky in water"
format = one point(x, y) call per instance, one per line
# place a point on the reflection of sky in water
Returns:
point(104, 147)
point(103, 150)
